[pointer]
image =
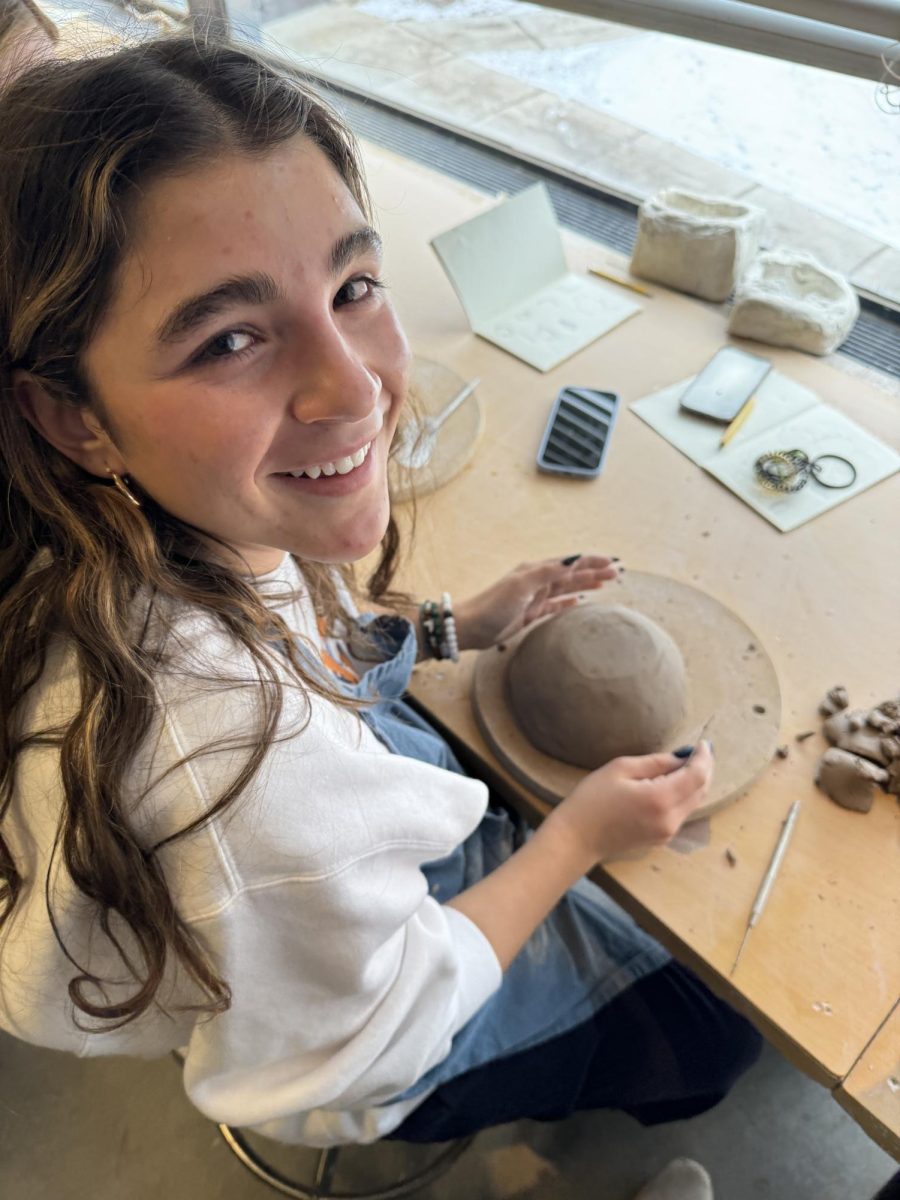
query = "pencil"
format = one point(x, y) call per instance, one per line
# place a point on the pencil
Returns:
point(737, 422)
point(625, 283)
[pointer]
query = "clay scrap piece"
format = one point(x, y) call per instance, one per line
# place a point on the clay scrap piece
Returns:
point(849, 780)
point(848, 731)
point(877, 718)
point(866, 750)
point(836, 699)
point(597, 682)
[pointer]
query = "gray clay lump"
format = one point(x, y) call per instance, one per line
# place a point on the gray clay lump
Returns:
point(865, 750)
point(849, 779)
point(596, 682)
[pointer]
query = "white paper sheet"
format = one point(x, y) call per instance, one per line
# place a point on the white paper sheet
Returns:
point(509, 271)
point(777, 399)
point(786, 416)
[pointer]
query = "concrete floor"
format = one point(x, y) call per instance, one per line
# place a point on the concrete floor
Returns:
point(76, 1129)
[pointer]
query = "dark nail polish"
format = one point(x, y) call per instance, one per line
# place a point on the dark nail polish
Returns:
point(573, 558)
point(614, 559)
point(683, 752)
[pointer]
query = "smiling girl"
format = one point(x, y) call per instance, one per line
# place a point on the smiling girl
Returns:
point(221, 828)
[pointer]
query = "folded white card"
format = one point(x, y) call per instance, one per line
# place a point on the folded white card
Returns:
point(508, 268)
point(785, 416)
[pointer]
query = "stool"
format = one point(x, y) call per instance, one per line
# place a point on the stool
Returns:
point(320, 1188)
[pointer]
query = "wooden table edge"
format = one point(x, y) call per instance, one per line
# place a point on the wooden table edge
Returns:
point(883, 1135)
point(887, 1137)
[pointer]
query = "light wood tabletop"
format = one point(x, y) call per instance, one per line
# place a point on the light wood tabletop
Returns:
point(821, 973)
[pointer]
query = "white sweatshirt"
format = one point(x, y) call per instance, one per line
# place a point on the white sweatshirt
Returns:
point(348, 980)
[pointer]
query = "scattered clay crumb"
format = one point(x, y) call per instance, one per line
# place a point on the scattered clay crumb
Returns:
point(751, 645)
point(705, 533)
point(781, 751)
point(654, 867)
point(759, 708)
point(822, 1007)
point(807, 733)
point(893, 1084)
point(730, 857)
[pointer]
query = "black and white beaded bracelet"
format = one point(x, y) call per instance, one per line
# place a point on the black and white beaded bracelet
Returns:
point(439, 628)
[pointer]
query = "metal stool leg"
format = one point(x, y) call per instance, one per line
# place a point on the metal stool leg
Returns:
point(325, 1168)
point(320, 1189)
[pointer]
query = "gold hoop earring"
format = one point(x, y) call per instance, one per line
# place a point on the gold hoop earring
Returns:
point(121, 486)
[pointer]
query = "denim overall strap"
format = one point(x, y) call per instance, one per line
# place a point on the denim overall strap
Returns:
point(394, 722)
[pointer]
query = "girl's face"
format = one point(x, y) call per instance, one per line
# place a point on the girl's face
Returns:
point(248, 341)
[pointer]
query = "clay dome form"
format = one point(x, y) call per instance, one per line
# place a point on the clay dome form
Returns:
point(597, 682)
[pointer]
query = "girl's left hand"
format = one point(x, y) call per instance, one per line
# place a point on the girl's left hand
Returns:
point(531, 591)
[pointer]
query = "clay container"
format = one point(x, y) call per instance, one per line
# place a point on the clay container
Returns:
point(596, 682)
point(787, 298)
point(695, 244)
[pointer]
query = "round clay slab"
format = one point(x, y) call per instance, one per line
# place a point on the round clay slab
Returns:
point(432, 387)
point(730, 679)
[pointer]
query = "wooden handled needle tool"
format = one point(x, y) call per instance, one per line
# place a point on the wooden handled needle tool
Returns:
point(766, 886)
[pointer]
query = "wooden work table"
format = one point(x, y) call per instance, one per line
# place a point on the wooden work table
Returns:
point(820, 976)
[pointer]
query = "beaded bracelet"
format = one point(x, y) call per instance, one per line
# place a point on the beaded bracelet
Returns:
point(439, 628)
point(431, 627)
point(450, 644)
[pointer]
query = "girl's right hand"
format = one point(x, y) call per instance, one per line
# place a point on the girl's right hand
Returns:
point(635, 803)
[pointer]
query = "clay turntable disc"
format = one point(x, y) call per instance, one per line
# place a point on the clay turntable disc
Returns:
point(432, 387)
point(729, 677)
